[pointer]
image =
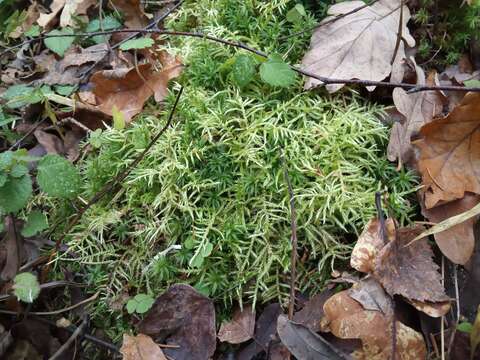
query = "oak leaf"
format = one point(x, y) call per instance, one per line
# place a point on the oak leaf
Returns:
point(456, 243)
point(449, 153)
point(47, 20)
point(240, 328)
point(347, 319)
point(140, 347)
point(128, 89)
point(418, 109)
point(360, 45)
point(132, 12)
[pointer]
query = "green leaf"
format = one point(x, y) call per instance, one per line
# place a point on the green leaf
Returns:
point(6, 159)
point(276, 72)
point(14, 194)
point(58, 177)
point(65, 90)
point(109, 23)
point(60, 44)
point(296, 14)
point(2, 225)
point(33, 31)
point(207, 250)
point(26, 287)
point(140, 304)
point(243, 70)
point(131, 306)
point(465, 327)
point(21, 95)
point(36, 222)
point(472, 83)
point(140, 43)
point(118, 119)
point(3, 179)
point(95, 138)
point(18, 170)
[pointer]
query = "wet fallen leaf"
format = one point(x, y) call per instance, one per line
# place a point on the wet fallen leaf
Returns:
point(347, 319)
point(240, 328)
point(418, 109)
point(369, 243)
point(14, 246)
point(182, 317)
point(449, 153)
point(303, 343)
point(51, 143)
point(132, 12)
point(360, 45)
point(140, 347)
point(265, 330)
point(128, 89)
point(312, 312)
point(456, 243)
point(409, 270)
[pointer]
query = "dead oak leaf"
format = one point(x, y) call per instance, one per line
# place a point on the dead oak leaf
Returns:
point(409, 270)
point(449, 153)
point(47, 20)
point(418, 109)
point(347, 319)
point(74, 8)
point(240, 328)
point(140, 347)
point(360, 45)
point(132, 12)
point(129, 89)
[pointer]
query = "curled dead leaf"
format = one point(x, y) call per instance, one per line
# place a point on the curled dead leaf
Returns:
point(435, 310)
point(240, 328)
point(140, 347)
point(449, 153)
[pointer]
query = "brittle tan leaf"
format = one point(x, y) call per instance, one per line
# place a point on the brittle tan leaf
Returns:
point(240, 328)
point(449, 153)
point(456, 243)
point(360, 45)
point(369, 243)
point(347, 319)
point(47, 20)
point(129, 89)
point(371, 295)
point(182, 317)
point(131, 11)
point(140, 347)
point(435, 310)
point(418, 109)
point(409, 270)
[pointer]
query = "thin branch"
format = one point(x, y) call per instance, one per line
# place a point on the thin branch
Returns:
point(412, 88)
point(78, 331)
point(399, 33)
point(293, 258)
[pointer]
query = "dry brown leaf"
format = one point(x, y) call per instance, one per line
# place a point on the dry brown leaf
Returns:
point(409, 270)
point(418, 109)
point(140, 347)
point(370, 294)
point(312, 312)
point(357, 46)
point(47, 20)
point(458, 242)
point(74, 7)
point(435, 310)
point(347, 319)
point(132, 12)
point(369, 243)
point(129, 89)
point(240, 328)
point(449, 153)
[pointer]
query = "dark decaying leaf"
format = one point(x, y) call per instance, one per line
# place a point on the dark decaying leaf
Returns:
point(265, 330)
point(182, 317)
point(140, 347)
point(371, 295)
point(456, 243)
point(131, 11)
point(303, 343)
point(312, 313)
point(409, 270)
point(240, 328)
point(13, 244)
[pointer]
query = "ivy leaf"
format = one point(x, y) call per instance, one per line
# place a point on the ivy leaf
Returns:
point(18, 170)
point(140, 304)
point(296, 14)
point(243, 70)
point(3, 179)
point(276, 72)
point(65, 90)
point(109, 23)
point(20, 95)
point(6, 159)
point(140, 43)
point(60, 44)
point(36, 222)
point(15, 193)
point(33, 31)
point(58, 177)
point(26, 287)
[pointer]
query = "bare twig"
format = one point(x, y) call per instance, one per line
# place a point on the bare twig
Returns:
point(399, 33)
point(78, 331)
point(325, 80)
point(293, 258)
point(457, 301)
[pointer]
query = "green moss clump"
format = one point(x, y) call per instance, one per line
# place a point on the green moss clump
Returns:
point(209, 204)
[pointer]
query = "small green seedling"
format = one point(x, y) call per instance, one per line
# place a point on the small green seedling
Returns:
point(26, 287)
point(465, 327)
point(140, 304)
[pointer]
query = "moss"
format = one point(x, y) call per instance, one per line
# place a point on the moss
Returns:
point(213, 185)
